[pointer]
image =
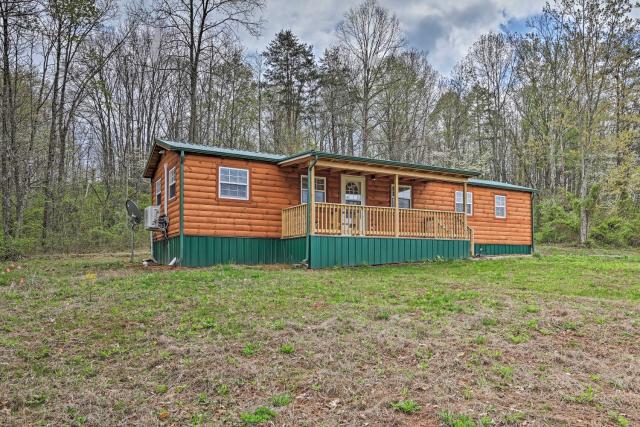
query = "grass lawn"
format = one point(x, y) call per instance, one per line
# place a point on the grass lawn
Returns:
point(547, 340)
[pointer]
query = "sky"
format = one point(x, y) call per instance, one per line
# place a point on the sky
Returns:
point(445, 29)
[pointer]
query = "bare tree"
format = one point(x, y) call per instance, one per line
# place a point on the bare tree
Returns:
point(198, 26)
point(490, 66)
point(370, 34)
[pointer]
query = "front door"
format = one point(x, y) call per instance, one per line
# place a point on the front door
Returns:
point(353, 191)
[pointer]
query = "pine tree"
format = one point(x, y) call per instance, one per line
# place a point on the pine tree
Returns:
point(291, 79)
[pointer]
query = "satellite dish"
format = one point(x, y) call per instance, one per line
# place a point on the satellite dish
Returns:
point(133, 212)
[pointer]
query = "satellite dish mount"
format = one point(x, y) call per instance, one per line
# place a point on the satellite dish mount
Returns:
point(134, 218)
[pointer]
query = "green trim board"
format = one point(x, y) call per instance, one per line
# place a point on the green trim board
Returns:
point(501, 249)
point(342, 251)
point(181, 206)
point(203, 251)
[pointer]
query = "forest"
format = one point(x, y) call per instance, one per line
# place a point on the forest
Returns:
point(87, 85)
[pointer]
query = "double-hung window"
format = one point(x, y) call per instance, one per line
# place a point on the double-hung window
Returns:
point(234, 183)
point(320, 190)
point(172, 183)
point(460, 202)
point(404, 196)
point(501, 206)
point(158, 192)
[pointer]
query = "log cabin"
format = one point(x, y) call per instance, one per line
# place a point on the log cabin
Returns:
point(323, 209)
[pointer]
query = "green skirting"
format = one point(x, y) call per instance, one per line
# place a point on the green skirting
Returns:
point(166, 250)
point(326, 251)
point(500, 249)
point(330, 251)
point(202, 251)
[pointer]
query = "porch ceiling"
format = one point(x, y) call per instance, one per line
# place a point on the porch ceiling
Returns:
point(377, 167)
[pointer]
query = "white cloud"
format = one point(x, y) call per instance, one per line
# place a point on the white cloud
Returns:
point(446, 29)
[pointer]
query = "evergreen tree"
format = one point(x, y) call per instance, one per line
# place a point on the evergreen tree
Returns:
point(291, 79)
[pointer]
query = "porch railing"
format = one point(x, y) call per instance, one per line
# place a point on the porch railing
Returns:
point(375, 221)
point(294, 221)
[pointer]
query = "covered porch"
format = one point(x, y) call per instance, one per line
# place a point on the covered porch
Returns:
point(335, 201)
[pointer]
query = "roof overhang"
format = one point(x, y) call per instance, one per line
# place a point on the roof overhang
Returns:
point(378, 166)
point(160, 144)
point(154, 159)
point(500, 185)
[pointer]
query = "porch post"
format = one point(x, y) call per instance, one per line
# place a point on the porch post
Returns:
point(312, 198)
point(466, 227)
point(464, 204)
point(396, 212)
point(182, 207)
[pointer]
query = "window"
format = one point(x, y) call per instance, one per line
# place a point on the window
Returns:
point(404, 196)
point(172, 183)
point(234, 183)
point(459, 202)
point(158, 192)
point(501, 206)
point(321, 189)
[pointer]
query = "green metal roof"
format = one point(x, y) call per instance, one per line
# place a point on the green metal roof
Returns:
point(277, 158)
point(498, 184)
point(219, 151)
point(154, 156)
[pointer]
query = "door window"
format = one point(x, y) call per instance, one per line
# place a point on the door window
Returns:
point(352, 193)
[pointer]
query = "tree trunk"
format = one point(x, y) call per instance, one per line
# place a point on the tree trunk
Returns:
point(584, 191)
point(48, 184)
point(7, 110)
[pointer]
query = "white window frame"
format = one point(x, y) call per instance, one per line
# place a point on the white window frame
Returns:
point(393, 197)
point(172, 175)
point(304, 178)
point(496, 206)
point(459, 200)
point(158, 201)
point(235, 183)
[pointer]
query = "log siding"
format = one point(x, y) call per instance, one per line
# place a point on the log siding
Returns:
point(273, 188)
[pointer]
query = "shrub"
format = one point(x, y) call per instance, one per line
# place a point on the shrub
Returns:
point(617, 231)
point(557, 223)
point(12, 249)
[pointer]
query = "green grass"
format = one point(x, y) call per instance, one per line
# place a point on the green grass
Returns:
point(133, 345)
point(587, 396)
point(620, 420)
point(281, 399)
point(406, 406)
point(451, 419)
point(287, 349)
point(259, 416)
